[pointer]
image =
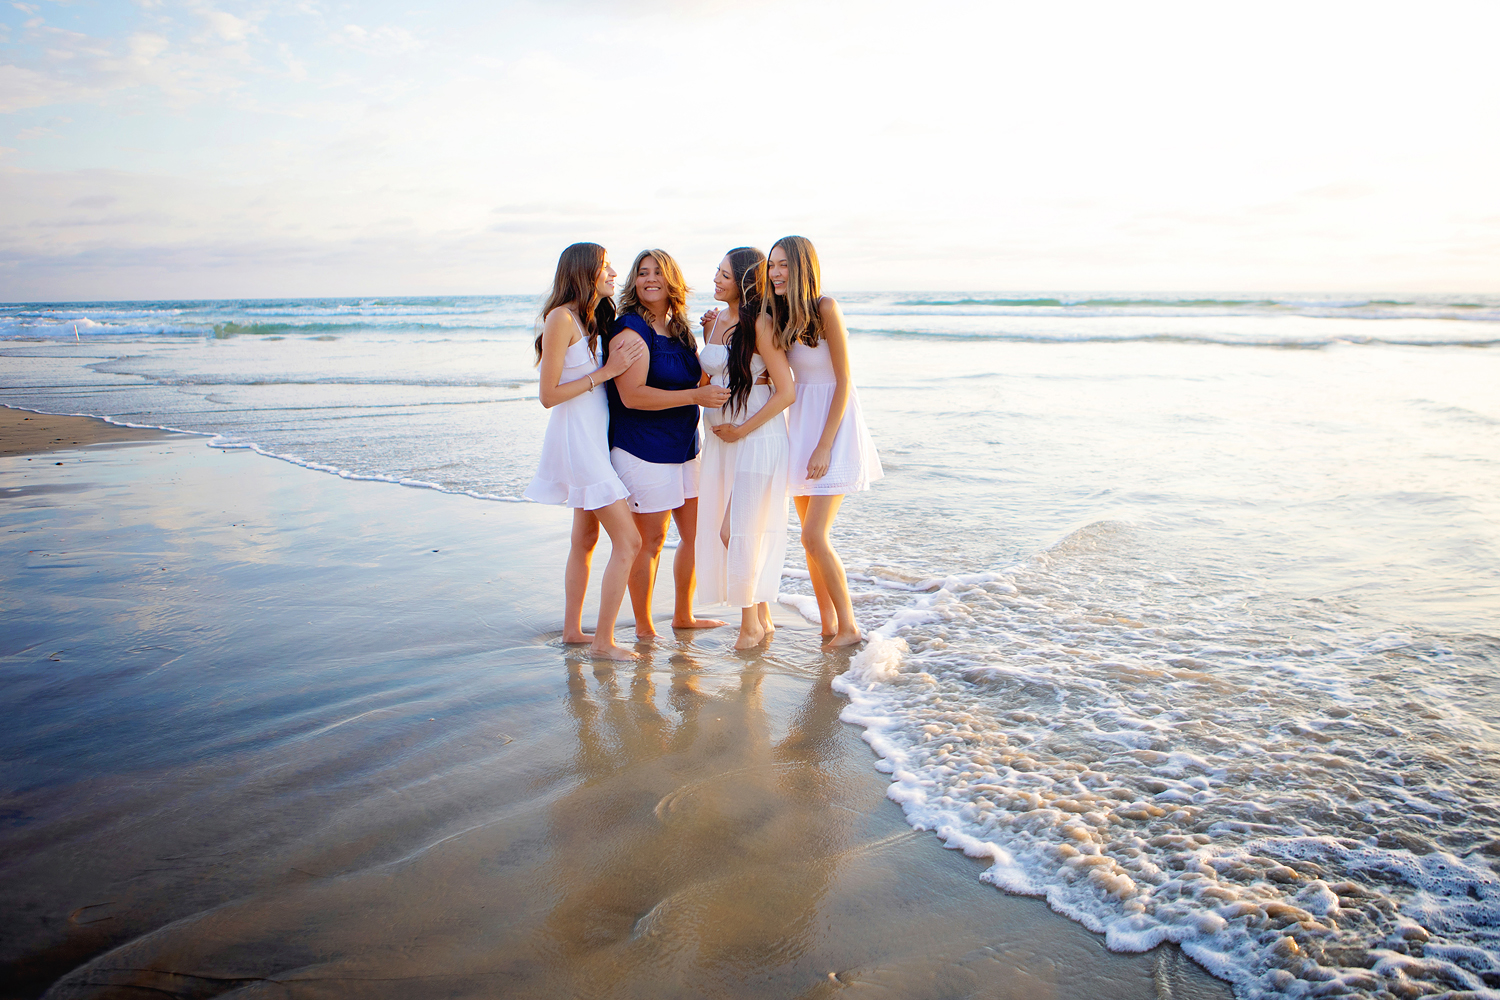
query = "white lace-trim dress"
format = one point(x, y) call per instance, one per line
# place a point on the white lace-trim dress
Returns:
point(745, 483)
point(854, 463)
point(575, 470)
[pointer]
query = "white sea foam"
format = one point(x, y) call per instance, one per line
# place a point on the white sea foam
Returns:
point(1212, 779)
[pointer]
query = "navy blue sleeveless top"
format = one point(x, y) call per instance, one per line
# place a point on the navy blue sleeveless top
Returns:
point(667, 437)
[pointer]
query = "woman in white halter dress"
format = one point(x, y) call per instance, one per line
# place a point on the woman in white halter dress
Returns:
point(575, 469)
point(831, 450)
point(853, 462)
point(742, 506)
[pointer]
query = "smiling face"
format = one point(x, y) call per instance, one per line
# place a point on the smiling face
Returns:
point(725, 289)
point(651, 285)
point(605, 283)
point(778, 271)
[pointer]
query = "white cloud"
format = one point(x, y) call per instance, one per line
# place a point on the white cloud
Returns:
point(144, 47)
point(384, 40)
point(977, 145)
point(226, 25)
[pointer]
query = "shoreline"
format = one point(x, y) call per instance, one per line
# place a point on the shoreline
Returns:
point(31, 432)
point(278, 726)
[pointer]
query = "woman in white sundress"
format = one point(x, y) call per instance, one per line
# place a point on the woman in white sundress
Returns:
point(575, 470)
point(741, 541)
point(831, 450)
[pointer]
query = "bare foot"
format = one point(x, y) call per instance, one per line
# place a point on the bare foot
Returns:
point(749, 639)
point(764, 614)
point(697, 623)
point(609, 651)
point(846, 638)
point(574, 638)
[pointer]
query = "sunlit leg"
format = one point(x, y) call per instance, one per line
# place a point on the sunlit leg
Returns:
point(817, 519)
point(625, 545)
point(653, 532)
point(576, 576)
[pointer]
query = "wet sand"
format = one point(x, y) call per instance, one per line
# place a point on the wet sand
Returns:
point(25, 433)
point(274, 733)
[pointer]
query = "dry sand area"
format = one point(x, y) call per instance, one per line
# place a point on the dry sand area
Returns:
point(276, 734)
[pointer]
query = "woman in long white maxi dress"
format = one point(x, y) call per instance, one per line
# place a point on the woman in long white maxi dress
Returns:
point(741, 543)
point(832, 453)
point(575, 470)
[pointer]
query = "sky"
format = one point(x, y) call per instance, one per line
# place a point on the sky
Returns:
point(268, 148)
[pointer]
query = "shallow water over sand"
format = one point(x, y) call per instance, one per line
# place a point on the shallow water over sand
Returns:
point(274, 733)
point(1187, 612)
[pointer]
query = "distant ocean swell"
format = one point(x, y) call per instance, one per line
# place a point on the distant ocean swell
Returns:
point(891, 313)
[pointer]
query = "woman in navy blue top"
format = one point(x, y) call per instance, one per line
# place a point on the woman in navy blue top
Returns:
point(653, 430)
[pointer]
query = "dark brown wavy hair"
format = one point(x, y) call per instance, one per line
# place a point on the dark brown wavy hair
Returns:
point(796, 313)
point(677, 293)
point(576, 284)
point(749, 268)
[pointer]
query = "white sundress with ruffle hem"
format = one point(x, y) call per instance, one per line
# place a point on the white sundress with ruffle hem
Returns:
point(575, 470)
point(854, 463)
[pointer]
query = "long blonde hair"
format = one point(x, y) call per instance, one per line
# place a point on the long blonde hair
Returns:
point(795, 314)
point(576, 284)
point(677, 293)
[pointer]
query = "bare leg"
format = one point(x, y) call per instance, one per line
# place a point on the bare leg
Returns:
point(684, 566)
point(763, 612)
point(827, 614)
point(576, 576)
point(817, 517)
point(751, 632)
point(653, 532)
point(625, 545)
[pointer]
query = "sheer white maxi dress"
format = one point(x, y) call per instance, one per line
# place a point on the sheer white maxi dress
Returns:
point(575, 470)
point(854, 463)
point(744, 482)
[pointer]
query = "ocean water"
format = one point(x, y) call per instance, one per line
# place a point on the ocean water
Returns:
point(1183, 608)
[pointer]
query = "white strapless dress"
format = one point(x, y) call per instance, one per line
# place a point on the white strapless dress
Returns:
point(575, 470)
point(743, 483)
point(854, 464)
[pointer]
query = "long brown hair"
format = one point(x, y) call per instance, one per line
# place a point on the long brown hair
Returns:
point(796, 314)
point(677, 293)
point(749, 268)
point(576, 284)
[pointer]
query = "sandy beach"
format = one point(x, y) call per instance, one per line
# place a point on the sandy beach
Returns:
point(277, 733)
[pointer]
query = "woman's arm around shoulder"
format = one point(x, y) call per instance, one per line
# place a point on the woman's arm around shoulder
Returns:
point(637, 395)
point(558, 330)
point(632, 379)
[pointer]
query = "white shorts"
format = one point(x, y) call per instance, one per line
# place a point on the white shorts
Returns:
point(653, 486)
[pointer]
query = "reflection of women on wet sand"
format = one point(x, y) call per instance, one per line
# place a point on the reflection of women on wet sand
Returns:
point(693, 846)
